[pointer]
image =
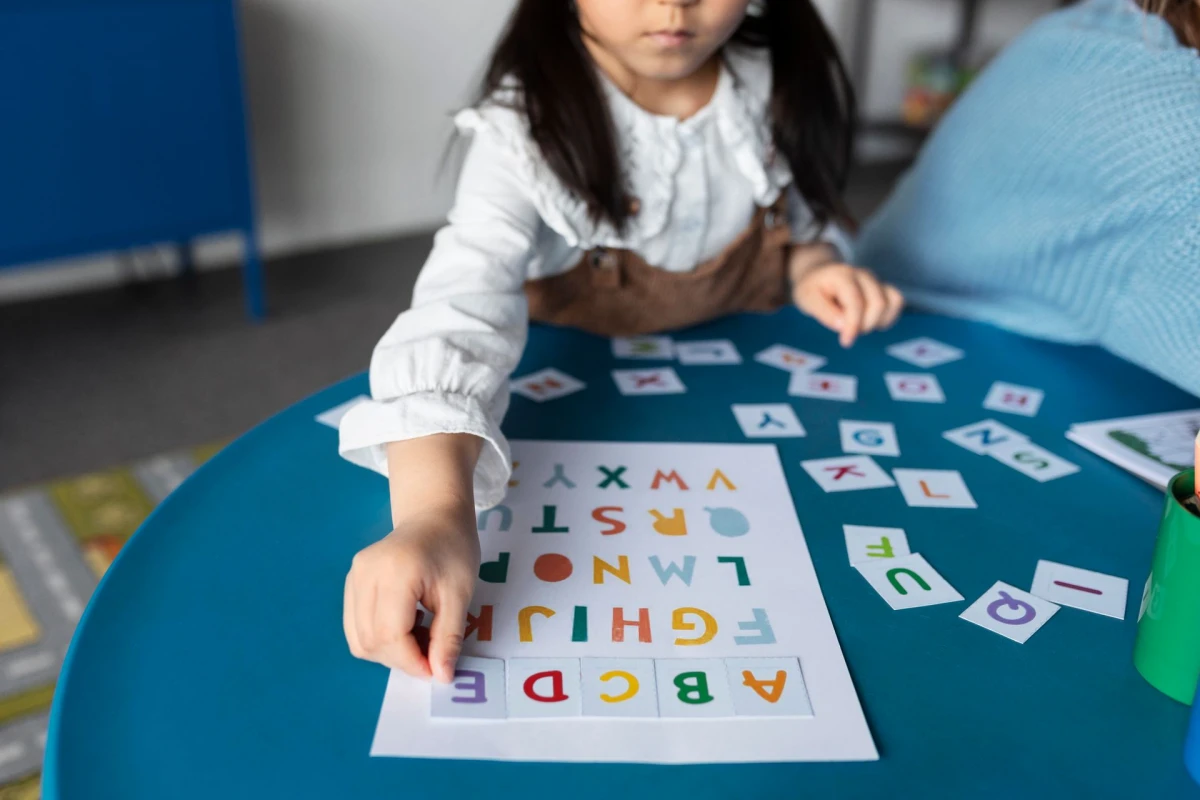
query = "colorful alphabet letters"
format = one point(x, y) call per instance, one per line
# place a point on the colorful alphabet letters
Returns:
point(627, 593)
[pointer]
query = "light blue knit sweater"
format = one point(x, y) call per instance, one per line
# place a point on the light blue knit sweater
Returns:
point(1060, 197)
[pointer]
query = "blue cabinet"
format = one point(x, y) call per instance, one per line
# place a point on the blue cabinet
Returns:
point(122, 124)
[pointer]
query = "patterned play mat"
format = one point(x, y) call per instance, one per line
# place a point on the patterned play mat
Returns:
point(56, 540)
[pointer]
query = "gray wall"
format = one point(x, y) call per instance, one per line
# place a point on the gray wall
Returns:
point(351, 100)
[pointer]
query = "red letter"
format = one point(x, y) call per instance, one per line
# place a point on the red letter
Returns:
point(673, 477)
point(600, 516)
point(556, 684)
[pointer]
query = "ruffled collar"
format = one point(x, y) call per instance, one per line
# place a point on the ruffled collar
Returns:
point(651, 152)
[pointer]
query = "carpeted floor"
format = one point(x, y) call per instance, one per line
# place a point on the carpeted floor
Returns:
point(56, 541)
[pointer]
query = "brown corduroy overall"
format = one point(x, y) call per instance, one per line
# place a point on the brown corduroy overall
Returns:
point(616, 293)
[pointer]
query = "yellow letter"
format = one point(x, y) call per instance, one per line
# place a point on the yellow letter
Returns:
point(524, 618)
point(600, 566)
point(674, 525)
point(625, 695)
point(720, 476)
point(680, 624)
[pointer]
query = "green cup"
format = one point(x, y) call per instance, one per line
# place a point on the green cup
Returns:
point(1167, 650)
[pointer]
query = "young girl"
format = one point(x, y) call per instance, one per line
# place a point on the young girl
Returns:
point(636, 165)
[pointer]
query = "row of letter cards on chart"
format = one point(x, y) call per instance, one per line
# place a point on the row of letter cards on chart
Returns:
point(492, 688)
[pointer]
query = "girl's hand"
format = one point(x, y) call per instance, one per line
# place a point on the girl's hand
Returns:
point(432, 559)
point(846, 299)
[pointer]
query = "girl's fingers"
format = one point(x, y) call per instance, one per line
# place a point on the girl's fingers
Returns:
point(850, 298)
point(364, 617)
point(395, 616)
point(895, 302)
point(875, 302)
point(446, 634)
point(350, 622)
point(821, 308)
point(404, 654)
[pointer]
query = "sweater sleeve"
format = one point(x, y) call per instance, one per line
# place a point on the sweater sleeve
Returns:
point(444, 365)
point(1156, 319)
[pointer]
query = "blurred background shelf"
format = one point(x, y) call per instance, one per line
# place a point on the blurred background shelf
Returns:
point(959, 58)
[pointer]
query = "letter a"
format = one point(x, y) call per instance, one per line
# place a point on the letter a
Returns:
point(774, 689)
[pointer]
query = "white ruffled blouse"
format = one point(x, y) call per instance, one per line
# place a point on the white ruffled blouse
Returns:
point(444, 365)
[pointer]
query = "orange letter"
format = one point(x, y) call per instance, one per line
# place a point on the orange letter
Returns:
point(480, 625)
point(600, 516)
point(674, 476)
point(925, 488)
point(680, 624)
point(643, 625)
point(775, 687)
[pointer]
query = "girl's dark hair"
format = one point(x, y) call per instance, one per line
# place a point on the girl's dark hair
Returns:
point(1182, 15)
point(812, 104)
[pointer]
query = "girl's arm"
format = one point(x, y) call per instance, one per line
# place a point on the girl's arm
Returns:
point(439, 386)
point(444, 365)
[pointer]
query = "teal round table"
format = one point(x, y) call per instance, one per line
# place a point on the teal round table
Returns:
point(210, 662)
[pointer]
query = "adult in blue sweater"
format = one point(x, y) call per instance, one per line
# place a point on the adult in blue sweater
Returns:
point(1060, 196)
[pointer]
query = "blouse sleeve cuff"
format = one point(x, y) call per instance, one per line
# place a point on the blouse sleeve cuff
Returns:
point(369, 427)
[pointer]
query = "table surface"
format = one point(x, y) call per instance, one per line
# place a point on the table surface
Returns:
point(211, 662)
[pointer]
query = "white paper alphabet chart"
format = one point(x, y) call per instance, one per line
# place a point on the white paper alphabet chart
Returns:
point(650, 603)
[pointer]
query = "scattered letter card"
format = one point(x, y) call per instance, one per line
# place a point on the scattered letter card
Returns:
point(866, 544)
point(789, 358)
point(1028, 458)
point(908, 582)
point(1010, 612)
point(548, 384)
point(925, 353)
point(869, 438)
point(847, 473)
point(721, 351)
point(912, 387)
point(824, 386)
point(1014, 399)
point(768, 421)
point(333, 417)
point(627, 590)
point(648, 381)
point(1081, 588)
point(934, 488)
point(979, 437)
point(655, 348)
